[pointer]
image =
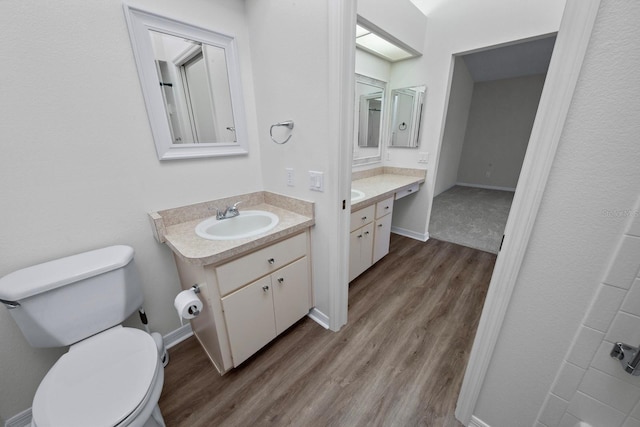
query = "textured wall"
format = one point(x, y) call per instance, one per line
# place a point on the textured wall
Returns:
point(575, 237)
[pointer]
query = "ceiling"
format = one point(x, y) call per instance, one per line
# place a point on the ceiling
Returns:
point(516, 60)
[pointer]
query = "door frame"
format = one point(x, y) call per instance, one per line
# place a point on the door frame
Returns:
point(566, 62)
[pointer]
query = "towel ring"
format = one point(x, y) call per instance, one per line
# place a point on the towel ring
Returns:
point(403, 126)
point(287, 124)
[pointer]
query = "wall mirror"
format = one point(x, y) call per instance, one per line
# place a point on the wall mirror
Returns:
point(190, 79)
point(406, 116)
point(369, 124)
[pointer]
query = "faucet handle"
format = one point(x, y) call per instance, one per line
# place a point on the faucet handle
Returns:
point(235, 205)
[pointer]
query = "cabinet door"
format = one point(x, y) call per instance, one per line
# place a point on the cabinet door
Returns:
point(360, 250)
point(250, 319)
point(382, 235)
point(291, 294)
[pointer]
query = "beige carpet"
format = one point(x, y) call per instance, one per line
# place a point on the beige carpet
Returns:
point(472, 217)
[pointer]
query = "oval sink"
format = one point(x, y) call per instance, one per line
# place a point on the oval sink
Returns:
point(356, 195)
point(247, 224)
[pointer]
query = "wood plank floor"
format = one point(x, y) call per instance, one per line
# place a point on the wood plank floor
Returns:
point(398, 362)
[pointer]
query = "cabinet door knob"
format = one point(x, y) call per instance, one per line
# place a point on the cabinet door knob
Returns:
point(366, 233)
point(271, 260)
point(280, 279)
point(359, 236)
point(364, 217)
point(379, 225)
point(265, 288)
point(386, 207)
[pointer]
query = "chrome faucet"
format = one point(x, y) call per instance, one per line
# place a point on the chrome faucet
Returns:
point(229, 212)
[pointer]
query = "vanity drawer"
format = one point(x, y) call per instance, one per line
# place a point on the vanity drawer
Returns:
point(362, 217)
point(384, 207)
point(248, 268)
point(413, 189)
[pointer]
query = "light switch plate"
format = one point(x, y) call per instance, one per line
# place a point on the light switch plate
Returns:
point(289, 172)
point(316, 181)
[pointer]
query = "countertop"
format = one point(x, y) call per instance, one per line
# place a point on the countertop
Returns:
point(381, 186)
point(176, 227)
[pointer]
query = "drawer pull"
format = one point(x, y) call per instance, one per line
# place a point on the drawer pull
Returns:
point(379, 225)
point(410, 190)
point(271, 260)
point(366, 233)
point(364, 218)
point(265, 288)
point(280, 279)
point(386, 207)
point(359, 236)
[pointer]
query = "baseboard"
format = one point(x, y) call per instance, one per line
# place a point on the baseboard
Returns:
point(319, 317)
point(423, 237)
point(486, 187)
point(177, 336)
point(477, 422)
point(23, 419)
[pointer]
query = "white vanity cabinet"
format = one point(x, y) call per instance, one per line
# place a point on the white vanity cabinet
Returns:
point(251, 299)
point(370, 236)
point(257, 313)
point(382, 229)
point(361, 241)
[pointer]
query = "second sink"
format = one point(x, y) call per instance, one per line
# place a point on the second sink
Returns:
point(247, 224)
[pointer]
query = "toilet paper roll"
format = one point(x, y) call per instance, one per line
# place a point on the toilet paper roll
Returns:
point(187, 304)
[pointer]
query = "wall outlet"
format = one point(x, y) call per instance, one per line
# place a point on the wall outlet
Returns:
point(316, 181)
point(289, 172)
point(423, 157)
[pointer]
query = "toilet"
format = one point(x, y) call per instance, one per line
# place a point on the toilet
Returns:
point(111, 375)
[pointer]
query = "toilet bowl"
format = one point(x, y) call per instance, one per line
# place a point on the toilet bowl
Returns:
point(111, 375)
point(113, 378)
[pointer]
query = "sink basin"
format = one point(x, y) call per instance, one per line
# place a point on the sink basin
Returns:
point(356, 195)
point(247, 224)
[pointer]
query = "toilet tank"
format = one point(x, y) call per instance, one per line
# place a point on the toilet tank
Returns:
point(63, 301)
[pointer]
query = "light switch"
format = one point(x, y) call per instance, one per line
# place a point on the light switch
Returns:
point(289, 176)
point(316, 181)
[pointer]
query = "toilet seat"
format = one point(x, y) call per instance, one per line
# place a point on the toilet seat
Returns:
point(103, 380)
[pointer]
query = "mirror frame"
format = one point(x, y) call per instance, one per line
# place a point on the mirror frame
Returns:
point(361, 78)
point(415, 132)
point(139, 22)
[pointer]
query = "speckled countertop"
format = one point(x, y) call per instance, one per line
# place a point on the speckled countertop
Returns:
point(176, 227)
point(382, 183)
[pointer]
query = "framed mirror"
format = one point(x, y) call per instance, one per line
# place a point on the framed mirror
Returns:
point(190, 78)
point(369, 124)
point(407, 105)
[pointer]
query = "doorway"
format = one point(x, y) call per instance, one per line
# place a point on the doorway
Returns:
point(493, 100)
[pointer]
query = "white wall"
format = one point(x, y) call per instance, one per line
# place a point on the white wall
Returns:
point(292, 83)
point(457, 27)
point(78, 166)
point(594, 180)
point(501, 116)
point(455, 127)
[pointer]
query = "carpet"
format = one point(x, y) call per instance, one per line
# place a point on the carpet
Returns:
point(472, 217)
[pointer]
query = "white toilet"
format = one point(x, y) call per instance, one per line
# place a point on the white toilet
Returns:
point(111, 375)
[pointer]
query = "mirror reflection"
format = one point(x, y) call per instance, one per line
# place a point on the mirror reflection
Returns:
point(406, 116)
point(195, 89)
point(370, 106)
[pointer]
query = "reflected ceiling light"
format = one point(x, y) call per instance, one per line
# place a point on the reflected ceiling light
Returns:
point(373, 43)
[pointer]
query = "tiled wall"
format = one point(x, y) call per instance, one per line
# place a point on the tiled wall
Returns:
point(591, 386)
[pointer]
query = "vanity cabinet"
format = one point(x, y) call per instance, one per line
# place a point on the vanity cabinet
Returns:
point(251, 299)
point(255, 314)
point(382, 229)
point(370, 236)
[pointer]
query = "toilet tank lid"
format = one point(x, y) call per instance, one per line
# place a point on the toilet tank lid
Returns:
point(49, 275)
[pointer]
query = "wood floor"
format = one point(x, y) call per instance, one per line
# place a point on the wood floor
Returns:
point(398, 362)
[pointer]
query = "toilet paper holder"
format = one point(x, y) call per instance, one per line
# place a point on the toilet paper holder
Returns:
point(628, 356)
point(196, 288)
